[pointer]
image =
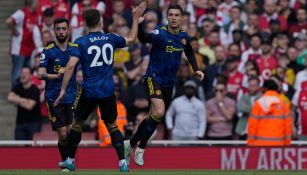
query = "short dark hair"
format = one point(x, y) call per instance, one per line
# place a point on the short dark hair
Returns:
point(174, 6)
point(49, 12)
point(270, 85)
point(60, 20)
point(256, 35)
point(92, 18)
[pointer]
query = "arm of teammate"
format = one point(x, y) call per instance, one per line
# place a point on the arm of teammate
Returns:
point(188, 50)
point(67, 76)
point(136, 13)
point(42, 74)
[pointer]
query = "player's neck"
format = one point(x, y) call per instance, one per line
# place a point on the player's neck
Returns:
point(63, 45)
point(173, 30)
point(95, 29)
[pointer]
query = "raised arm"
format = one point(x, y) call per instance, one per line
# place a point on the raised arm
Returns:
point(136, 14)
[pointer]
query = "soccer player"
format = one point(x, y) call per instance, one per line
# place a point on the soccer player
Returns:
point(95, 51)
point(52, 64)
point(168, 43)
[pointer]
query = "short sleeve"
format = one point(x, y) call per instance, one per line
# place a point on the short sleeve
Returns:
point(18, 16)
point(44, 58)
point(75, 49)
point(119, 41)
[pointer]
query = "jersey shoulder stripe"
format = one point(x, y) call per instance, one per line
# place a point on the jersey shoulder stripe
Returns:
point(73, 44)
point(50, 46)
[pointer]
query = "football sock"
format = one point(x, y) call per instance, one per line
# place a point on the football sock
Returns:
point(117, 140)
point(74, 138)
point(151, 124)
point(137, 136)
point(63, 147)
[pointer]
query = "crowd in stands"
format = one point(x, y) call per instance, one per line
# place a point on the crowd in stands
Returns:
point(239, 44)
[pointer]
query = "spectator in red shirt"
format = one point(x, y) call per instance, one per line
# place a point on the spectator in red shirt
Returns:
point(25, 38)
point(235, 78)
point(270, 13)
point(266, 61)
point(301, 24)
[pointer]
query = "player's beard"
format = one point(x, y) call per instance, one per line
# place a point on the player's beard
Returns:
point(61, 40)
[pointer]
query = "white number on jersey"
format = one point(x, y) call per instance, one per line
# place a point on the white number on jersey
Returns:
point(103, 50)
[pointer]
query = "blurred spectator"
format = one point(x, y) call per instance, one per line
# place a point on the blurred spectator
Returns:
point(206, 46)
point(244, 106)
point(252, 6)
point(60, 8)
point(220, 112)
point(187, 6)
point(138, 100)
point(132, 68)
point(300, 42)
point(280, 44)
point(301, 77)
point(299, 104)
point(47, 38)
point(289, 74)
point(270, 13)
point(235, 78)
point(224, 9)
point(79, 79)
point(234, 50)
point(301, 15)
point(270, 123)
point(77, 21)
point(252, 53)
point(183, 76)
point(186, 116)
point(41, 86)
point(293, 55)
point(285, 91)
point(26, 97)
point(235, 24)
point(47, 23)
point(25, 37)
point(213, 70)
point(286, 11)
point(252, 26)
point(266, 61)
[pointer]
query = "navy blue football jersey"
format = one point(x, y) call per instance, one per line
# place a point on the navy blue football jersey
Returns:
point(165, 55)
point(96, 53)
point(53, 59)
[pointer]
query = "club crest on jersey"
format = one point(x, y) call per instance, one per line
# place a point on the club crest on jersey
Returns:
point(42, 57)
point(158, 92)
point(155, 32)
point(184, 41)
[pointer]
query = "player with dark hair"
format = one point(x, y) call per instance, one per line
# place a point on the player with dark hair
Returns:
point(168, 44)
point(52, 65)
point(95, 51)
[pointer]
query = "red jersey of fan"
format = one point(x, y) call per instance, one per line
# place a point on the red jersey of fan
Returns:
point(266, 66)
point(234, 83)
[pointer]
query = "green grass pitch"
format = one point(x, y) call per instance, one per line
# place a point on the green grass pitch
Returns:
point(151, 172)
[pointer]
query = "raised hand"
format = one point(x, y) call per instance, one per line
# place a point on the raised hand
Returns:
point(138, 11)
